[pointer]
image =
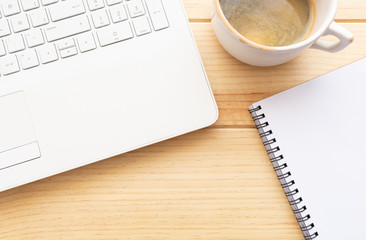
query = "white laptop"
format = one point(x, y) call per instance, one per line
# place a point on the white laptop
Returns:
point(85, 80)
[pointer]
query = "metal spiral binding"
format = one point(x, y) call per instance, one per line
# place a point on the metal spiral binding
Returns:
point(283, 173)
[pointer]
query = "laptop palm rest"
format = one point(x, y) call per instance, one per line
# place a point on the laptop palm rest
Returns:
point(18, 143)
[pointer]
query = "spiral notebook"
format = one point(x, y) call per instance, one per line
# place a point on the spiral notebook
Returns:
point(315, 136)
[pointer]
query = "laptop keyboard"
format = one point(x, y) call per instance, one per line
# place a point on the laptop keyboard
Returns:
point(36, 32)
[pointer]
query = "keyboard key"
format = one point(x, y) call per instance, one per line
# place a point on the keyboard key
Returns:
point(20, 23)
point(15, 43)
point(141, 26)
point(2, 48)
point(47, 53)
point(67, 28)
point(34, 38)
point(66, 9)
point(86, 42)
point(114, 33)
point(112, 2)
point(65, 43)
point(100, 19)
point(135, 8)
point(4, 28)
point(9, 64)
point(28, 59)
point(29, 4)
point(48, 2)
point(95, 4)
point(68, 52)
point(10, 7)
point(39, 17)
point(118, 13)
point(157, 14)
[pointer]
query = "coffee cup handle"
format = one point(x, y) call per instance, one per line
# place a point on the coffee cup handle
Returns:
point(344, 36)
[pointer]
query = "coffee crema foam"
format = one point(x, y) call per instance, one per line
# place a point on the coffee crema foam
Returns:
point(270, 22)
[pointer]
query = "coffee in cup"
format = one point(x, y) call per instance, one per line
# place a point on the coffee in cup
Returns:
point(314, 27)
point(271, 22)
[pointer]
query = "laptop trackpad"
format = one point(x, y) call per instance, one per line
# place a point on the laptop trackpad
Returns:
point(18, 143)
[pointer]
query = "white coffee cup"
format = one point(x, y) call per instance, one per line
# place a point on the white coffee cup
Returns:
point(259, 55)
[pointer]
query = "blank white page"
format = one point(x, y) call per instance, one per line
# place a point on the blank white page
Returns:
point(320, 127)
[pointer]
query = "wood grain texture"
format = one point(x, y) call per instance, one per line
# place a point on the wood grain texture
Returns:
point(347, 10)
point(237, 85)
point(216, 183)
point(212, 184)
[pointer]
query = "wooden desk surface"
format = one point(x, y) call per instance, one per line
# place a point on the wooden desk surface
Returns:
point(216, 183)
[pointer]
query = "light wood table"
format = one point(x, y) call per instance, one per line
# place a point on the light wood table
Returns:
point(216, 183)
